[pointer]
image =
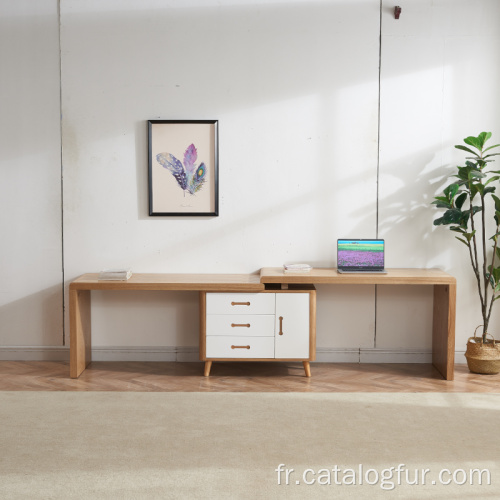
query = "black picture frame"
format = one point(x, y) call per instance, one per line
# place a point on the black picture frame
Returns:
point(183, 167)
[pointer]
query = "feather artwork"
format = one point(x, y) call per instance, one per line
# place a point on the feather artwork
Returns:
point(189, 176)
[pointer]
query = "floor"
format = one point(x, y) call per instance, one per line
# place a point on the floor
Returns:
point(240, 377)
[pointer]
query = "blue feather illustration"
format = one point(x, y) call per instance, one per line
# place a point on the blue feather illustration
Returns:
point(189, 176)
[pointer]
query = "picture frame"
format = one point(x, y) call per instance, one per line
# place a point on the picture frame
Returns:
point(183, 165)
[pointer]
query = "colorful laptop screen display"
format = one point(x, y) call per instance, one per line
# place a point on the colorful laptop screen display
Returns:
point(360, 254)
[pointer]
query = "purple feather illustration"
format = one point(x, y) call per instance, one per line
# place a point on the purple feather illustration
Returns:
point(189, 176)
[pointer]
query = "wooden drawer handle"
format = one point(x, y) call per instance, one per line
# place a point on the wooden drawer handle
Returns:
point(240, 303)
point(240, 347)
point(281, 325)
point(246, 325)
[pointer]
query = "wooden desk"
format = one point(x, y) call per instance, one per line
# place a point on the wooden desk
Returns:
point(443, 334)
point(444, 308)
point(79, 301)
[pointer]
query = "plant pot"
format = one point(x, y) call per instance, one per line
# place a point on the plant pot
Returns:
point(483, 357)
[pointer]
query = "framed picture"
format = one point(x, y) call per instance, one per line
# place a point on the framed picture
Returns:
point(183, 167)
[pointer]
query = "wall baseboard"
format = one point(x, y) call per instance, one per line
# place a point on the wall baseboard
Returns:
point(34, 353)
point(145, 353)
point(190, 354)
point(377, 355)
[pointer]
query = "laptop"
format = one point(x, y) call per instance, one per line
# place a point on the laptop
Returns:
point(360, 256)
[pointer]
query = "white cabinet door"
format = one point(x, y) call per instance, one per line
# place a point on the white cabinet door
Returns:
point(292, 325)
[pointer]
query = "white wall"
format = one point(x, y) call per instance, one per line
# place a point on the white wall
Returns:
point(292, 109)
point(30, 175)
point(439, 84)
point(295, 87)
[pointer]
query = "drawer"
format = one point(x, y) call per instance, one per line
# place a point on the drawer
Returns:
point(240, 303)
point(239, 347)
point(247, 325)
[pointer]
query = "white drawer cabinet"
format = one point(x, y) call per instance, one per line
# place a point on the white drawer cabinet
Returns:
point(269, 325)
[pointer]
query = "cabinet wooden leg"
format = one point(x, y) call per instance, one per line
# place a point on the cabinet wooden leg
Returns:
point(307, 368)
point(208, 365)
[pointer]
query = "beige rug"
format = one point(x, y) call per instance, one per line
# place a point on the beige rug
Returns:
point(95, 445)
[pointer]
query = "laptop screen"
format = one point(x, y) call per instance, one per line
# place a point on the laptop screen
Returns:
point(360, 255)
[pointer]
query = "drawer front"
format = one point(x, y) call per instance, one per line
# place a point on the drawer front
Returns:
point(246, 325)
point(239, 347)
point(240, 303)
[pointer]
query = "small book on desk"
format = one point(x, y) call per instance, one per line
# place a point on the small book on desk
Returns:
point(115, 274)
point(296, 268)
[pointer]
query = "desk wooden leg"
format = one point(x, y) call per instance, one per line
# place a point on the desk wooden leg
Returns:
point(79, 325)
point(208, 365)
point(307, 368)
point(443, 329)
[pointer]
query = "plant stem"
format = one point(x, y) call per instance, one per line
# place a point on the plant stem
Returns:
point(493, 294)
point(486, 281)
point(474, 259)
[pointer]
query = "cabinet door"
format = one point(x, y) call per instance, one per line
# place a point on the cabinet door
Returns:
point(292, 326)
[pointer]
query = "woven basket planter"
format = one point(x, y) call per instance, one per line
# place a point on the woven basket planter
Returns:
point(483, 357)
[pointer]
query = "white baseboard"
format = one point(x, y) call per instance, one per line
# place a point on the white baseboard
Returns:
point(167, 353)
point(377, 355)
point(189, 354)
point(105, 353)
point(337, 355)
point(460, 358)
point(373, 355)
point(29, 353)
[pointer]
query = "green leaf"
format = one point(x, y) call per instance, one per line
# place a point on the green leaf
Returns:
point(463, 241)
point(496, 274)
point(492, 179)
point(475, 210)
point(483, 137)
point(492, 154)
point(476, 174)
point(497, 202)
point(451, 191)
point(463, 173)
point(490, 189)
point(444, 199)
point(441, 204)
point(438, 222)
point(491, 147)
point(464, 148)
point(470, 235)
point(452, 216)
point(473, 141)
point(461, 199)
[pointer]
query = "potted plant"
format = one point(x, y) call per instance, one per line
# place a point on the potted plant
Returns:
point(469, 202)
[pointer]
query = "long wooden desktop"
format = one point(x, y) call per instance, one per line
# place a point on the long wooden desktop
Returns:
point(443, 332)
point(444, 308)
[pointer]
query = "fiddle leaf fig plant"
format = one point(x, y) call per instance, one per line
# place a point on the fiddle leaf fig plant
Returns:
point(472, 209)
